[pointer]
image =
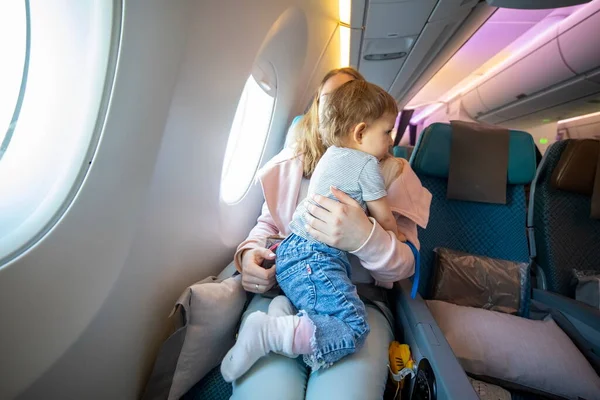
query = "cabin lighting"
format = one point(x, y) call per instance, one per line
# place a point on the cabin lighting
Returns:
point(345, 11)
point(345, 7)
point(564, 121)
point(458, 92)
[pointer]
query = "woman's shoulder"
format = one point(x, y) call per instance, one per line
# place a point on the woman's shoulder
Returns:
point(288, 154)
point(286, 158)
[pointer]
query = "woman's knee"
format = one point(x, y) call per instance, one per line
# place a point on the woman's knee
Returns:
point(272, 377)
point(362, 335)
point(361, 375)
point(258, 303)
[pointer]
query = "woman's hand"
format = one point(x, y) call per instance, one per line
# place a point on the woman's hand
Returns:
point(343, 225)
point(255, 278)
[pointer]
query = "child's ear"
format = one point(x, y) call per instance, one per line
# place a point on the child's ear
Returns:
point(359, 132)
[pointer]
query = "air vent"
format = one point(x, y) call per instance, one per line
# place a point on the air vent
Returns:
point(385, 56)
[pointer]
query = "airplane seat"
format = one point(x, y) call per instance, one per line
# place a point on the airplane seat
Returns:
point(492, 230)
point(480, 228)
point(403, 151)
point(290, 135)
point(565, 234)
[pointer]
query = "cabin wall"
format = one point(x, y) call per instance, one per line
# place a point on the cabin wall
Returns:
point(91, 328)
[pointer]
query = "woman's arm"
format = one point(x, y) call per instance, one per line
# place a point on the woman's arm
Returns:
point(345, 226)
point(252, 252)
point(386, 257)
point(257, 238)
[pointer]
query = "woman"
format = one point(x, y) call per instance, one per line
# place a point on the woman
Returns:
point(379, 258)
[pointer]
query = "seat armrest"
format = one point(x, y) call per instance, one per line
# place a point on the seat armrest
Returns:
point(576, 309)
point(426, 340)
point(228, 271)
point(585, 318)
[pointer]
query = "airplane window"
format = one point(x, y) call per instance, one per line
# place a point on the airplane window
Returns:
point(246, 140)
point(58, 61)
point(14, 25)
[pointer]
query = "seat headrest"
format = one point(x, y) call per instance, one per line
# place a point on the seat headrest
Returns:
point(289, 137)
point(402, 151)
point(576, 168)
point(432, 154)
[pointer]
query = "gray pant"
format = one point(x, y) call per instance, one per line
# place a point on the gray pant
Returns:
point(360, 376)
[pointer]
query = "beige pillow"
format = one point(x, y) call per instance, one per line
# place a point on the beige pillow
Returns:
point(536, 355)
point(209, 311)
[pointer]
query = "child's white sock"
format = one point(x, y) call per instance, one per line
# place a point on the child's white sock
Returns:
point(280, 306)
point(260, 334)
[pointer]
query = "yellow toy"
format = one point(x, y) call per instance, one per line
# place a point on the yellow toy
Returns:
point(400, 364)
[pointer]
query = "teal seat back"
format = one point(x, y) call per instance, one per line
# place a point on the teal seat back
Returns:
point(565, 237)
point(402, 152)
point(493, 230)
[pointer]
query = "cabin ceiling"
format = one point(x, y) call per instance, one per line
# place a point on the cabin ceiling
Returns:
point(441, 45)
point(491, 44)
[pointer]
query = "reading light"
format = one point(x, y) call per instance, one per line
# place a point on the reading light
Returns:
point(385, 56)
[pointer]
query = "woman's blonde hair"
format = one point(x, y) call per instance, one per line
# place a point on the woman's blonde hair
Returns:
point(308, 137)
point(349, 105)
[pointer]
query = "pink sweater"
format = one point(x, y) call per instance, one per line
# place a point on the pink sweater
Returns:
point(383, 255)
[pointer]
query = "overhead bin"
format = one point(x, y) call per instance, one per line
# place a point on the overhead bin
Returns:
point(405, 36)
point(573, 90)
point(472, 104)
point(393, 20)
point(565, 110)
point(535, 4)
point(538, 70)
point(593, 76)
point(390, 33)
point(559, 66)
point(452, 9)
point(578, 40)
point(384, 57)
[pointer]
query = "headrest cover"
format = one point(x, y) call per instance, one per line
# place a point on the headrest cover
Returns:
point(478, 163)
point(576, 169)
point(432, 154)
point(290, 136)
point(402, 151)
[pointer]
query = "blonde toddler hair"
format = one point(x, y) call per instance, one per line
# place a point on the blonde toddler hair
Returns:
point(350, 104)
